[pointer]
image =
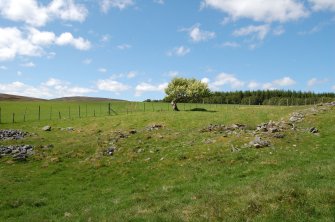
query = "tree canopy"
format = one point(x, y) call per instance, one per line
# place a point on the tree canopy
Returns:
point(185, 90)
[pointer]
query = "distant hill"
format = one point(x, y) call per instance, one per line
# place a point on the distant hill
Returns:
point(8, 97)
point(84, 98)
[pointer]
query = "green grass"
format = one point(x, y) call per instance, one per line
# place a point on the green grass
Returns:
point(170, 174)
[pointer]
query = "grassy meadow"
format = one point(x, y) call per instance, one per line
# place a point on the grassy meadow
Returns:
point(174, 173)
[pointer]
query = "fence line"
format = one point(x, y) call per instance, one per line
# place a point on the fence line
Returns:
point(64, 111)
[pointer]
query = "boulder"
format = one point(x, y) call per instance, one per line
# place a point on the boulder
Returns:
point(46, 128)
point(259, 143)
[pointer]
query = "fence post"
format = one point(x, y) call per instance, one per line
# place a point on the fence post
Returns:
point(86, 110)
point(94, 113)
point(0, 115)
point(69, 112)
point(50, 112)
point(109, 109)
point(79, 111)
point(144, 106)
point(60, 117)
point(39, 113)
point(13, 117)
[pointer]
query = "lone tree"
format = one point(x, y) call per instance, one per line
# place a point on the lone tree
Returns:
point(185, 90)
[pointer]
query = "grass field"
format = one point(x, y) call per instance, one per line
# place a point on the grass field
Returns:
point(175, 173)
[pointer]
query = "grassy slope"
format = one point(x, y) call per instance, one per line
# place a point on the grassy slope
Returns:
point(172, 173)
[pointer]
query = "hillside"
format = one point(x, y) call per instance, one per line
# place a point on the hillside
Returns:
point(84, 98)
point(8, 97)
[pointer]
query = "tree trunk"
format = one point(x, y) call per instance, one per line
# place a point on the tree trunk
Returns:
point(174, 106)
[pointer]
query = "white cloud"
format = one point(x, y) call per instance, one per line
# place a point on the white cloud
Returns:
point(333, 88)
point(14, 42)
point(3, 67)
point(278, 30)
point(52, 88)
point(205, 80)
point(231, 44)
point(102, 70)
point(34, 13)
point(198, 35)
point(260, 10)
point(111, 85)
point(319, 5)
point(28, 64)
point(105, 5)
point(68, 39)
point(269, 86)
point(286, 81)
point(105, 38)
point(227, 79)
point(253, 85)
point(131, 74)
point(173, 74)
point(124, 46)
point(179, 51)
point(147, 87)
point(258, 32)
point(314, 81)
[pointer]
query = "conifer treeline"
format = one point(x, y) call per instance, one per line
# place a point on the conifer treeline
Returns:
point(265, 97)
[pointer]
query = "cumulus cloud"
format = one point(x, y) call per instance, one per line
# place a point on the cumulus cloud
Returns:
point(102, 70)
point(68, 39)
point(286, 81)
point(231, 44)
point(319, 5)
point(35, 14)
point(3, 67)
point(111, 85)
point(227, 79)
point(179, 51)
point(28, 64)
point(105, 5)
point(52, 88)
point(253, 85)
point(14, 42)
point(147, 87)
point(314, 81)
point(260, 10)
point(198, 35)
point(124, 46)
point(159, 2)
point(257, 32)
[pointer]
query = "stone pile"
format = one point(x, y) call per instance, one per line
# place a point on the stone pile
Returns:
point(154, 127)
point(18, 152)
point(259, 143)
point(273, 127)
point(12, 134)
point(223, 129)
point(296, 117)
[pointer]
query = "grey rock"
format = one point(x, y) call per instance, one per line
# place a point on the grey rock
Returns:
point(20, 157)
point(9, 134)
point(259, 143)
point(46, 128)
point(313, 130)
point(110, 151)
point(132, 131)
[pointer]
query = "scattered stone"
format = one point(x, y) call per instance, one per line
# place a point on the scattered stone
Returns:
point(18, 152)
point(223, 129)
point(313, 130)
point(259, 143)
point(279, 135)
point(154, 127)
point(209, 141)
point(67, 129)
point(109, 151)
point(296, 117)
point(47, 147)
point(11, 134)
point(132, 131)
point(46, 128)
point(234, 149)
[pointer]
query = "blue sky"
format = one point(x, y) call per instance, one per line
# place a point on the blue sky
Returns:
point(131, 49)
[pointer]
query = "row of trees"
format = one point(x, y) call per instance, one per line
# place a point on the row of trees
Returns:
point(195, 91)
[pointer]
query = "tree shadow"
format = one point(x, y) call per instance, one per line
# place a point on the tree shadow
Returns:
point(200, 110)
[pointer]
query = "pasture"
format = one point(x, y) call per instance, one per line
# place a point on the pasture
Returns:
point(165, 168)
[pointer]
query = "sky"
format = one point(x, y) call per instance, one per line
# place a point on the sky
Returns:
point(131, 49)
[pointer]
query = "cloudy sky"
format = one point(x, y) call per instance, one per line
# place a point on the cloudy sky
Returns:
point(131, 49)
